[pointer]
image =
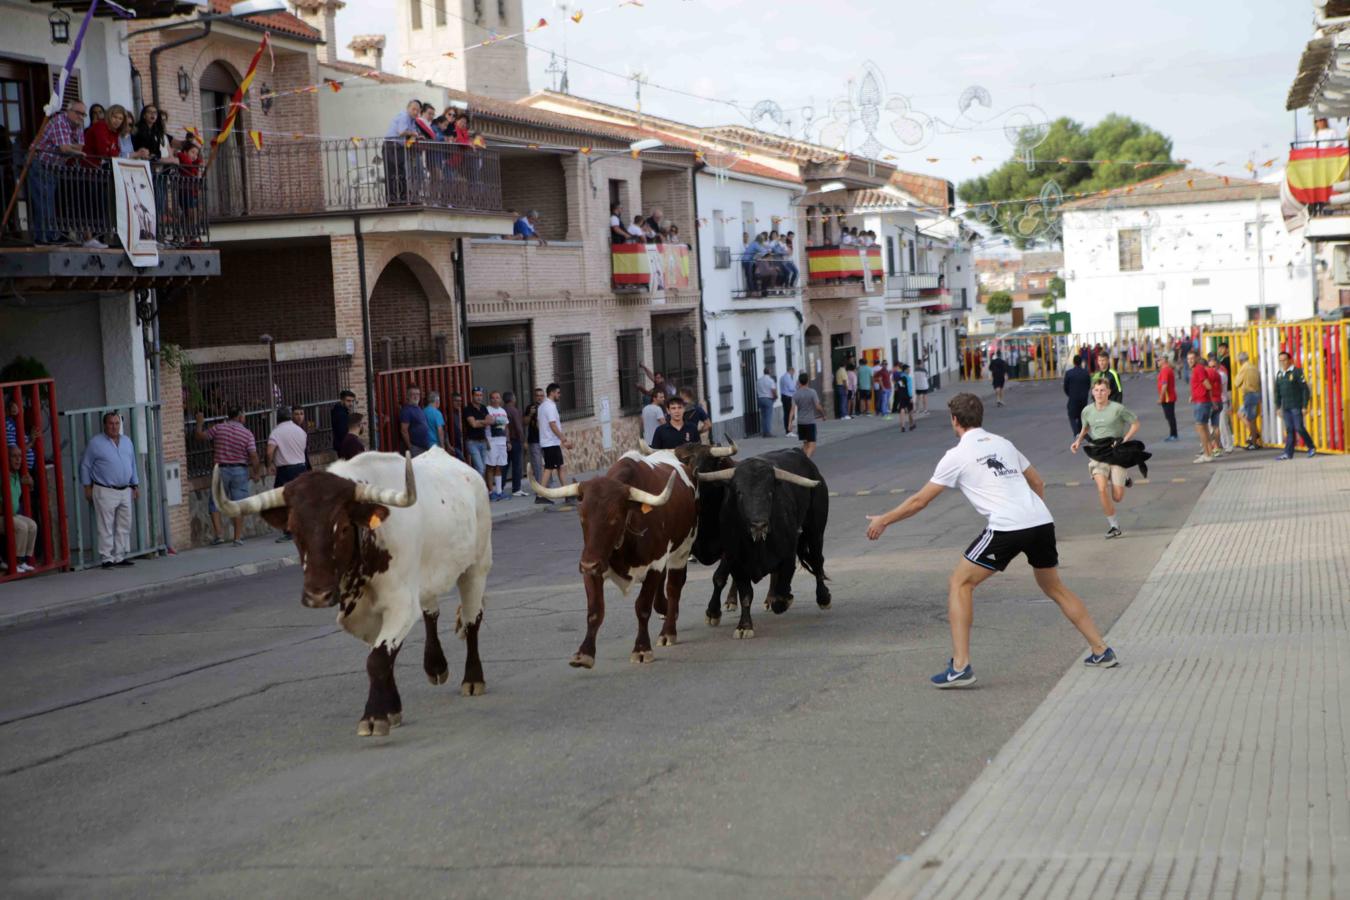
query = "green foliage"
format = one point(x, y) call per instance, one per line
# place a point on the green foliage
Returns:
point(24, 368)
point(1113, 138)
point(999, 303)
point(172, 356)
point(1056, 293)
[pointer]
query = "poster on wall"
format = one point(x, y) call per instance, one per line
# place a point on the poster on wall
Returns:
point(134, 194)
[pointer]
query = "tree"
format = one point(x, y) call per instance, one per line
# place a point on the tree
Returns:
point(999, 303)
point(1113, 138)
point(1056, 293)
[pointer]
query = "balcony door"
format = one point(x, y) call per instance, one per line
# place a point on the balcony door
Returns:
point(225, 183)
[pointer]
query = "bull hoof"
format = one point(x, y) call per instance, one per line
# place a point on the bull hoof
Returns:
point(825, 604)
point(379, 727)
point(778, 607)
point(582, 661)
point(473, 689)
point(642, 656)
point(395, 719)
point(729, 605)
point(665, 640)
point(713, 621)
point(364, 728)
point(743, 633)
point(438, 677)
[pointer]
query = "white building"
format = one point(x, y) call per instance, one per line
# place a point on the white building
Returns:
point(1202, 248)
point(434, 35)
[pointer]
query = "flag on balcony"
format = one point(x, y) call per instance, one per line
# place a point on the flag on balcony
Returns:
point(237, 101)
point(256, 138)
point(1313, 171)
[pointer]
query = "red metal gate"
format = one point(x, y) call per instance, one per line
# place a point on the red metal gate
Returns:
point(391, 387)
point(28, 404)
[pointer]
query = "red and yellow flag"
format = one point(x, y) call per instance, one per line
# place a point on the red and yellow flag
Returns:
point(237, 101)
point(1313, 170)
point(256, 138)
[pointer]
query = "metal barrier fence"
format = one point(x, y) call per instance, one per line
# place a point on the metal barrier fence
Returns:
point(307, 176)
point(265, 390)
point(32, 426)
point(391, 387)
point(1321, 350)
point(141, 424)
point(1044, 356)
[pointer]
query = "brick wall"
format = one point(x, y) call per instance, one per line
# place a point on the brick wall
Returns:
point(398, 305)
point(537, 182)
point(175, 451)
point(285, 292)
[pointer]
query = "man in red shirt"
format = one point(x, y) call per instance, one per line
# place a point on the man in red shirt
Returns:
point(1167, 397)
point(1216, 403)
point(1204, 386)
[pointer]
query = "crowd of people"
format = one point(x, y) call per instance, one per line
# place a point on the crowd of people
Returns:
point(861, 389)
point(650, 229)
point(415, 168)
point(768, 263)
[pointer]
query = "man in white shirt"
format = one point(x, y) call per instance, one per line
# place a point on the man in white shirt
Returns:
point(551, 440)
point(787, 389)
point(287, 454)
point(766, 391)
point(1002, 484)
point(653, 415)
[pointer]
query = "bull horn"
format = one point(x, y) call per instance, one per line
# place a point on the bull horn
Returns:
point(255, 504)
point(720, 475)
point(367, 493)
point(557, 493)
point(785, 475)
point(724, 451)
point(637, 495)
point(644, 448)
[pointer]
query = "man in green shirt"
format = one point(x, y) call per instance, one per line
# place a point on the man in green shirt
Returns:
point(1106, 420)
point(1291, 396)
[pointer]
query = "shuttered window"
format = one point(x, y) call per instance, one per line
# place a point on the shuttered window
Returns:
point(630, 358)
point(572, 372)
point(1130, 243)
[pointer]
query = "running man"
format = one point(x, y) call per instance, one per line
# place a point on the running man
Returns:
point(805, 413)
point(998, 372)
point(1106, 420)
point(1002, 484)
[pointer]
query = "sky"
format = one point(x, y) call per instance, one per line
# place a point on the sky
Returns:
point(1211, 75)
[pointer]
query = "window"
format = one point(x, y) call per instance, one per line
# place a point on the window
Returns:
point(787, 353)
point(890, 256)
point(1130, 244)
point(501, 11)
point(572, 371)
point(415, 14)
point(770, 358)
point(630, 358)
point(440, 13)
point(721, 252)
point(1199, 282)
point(1263, 314)
point(725, 403)
point(748, 224)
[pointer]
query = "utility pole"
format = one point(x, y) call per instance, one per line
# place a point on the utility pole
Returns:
point(1260, 257)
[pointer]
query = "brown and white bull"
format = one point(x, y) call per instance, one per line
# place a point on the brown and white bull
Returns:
point(637, 526)
point(382, 537)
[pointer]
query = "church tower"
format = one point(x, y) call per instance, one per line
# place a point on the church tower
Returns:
point(431, 28)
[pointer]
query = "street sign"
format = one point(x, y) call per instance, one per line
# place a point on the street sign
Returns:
point(1059, 323)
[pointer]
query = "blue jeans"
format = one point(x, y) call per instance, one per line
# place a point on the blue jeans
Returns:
point(884, 405)
point(792, 272)
point(787, 414)
point(234, 484)
point(42, 200)
point(766, 416)
point(478, 451)
point(517, 465)
point(840, 399)
point(1293, 425)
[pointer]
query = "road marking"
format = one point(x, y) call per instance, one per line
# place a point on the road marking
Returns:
point(897, 490)
point(1072, 483)
point(834, 493)
point(863, 493)
point(1178, 480)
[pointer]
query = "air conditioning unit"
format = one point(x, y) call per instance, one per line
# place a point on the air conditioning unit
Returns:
point(1340, 263)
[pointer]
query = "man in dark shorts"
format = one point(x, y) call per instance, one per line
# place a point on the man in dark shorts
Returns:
point(998, 373)
point(904, 397)
point(806, 412)
point(1002, 484)
point(676, 432)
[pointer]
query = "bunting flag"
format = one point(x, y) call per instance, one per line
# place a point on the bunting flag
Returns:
point(577, 16)
point(542, 23)
point(333, 84)
point(257, 138)
point(237, 102)
point(450, 54)
point(584, 151)
point(479, 141)
point(1313, 170)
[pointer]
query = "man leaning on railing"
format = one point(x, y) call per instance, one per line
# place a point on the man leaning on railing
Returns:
point(61, 142)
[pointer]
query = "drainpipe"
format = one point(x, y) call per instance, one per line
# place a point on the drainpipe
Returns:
point(458, 259)
point(365, 330)
point(702, 319)
point(154, 58)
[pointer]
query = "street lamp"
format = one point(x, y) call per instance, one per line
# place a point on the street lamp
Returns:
point(60, 25)
point(184, 83)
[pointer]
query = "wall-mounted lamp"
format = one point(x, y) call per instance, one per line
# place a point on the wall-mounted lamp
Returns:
point(184, 83)
point(60, 25)
point(267, 99)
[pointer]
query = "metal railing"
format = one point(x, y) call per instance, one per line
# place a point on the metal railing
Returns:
point(72, 201)
point(265, 391)
point(36, 403)
point(766, 277)
point(307, 176)
point(912, 283)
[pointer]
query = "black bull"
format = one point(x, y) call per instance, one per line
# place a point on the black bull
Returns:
point(758, 518)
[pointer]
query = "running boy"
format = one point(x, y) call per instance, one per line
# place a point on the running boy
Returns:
point(1002, 484)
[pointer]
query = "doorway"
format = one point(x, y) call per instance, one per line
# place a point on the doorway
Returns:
point(500, 359)
point(814, 360)
point(225, 184)
point(749, 401)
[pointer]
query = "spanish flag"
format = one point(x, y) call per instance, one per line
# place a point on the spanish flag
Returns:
point(1313, 170)
point(237, 101)
point(256, 138)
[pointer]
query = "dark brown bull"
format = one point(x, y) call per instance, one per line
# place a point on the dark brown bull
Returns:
point(637, 525)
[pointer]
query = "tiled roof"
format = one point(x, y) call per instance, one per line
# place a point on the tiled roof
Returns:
point(343, 65)
point(1172, 188)
point(278, 23)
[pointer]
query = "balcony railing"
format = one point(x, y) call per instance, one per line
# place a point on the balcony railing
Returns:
point(841, 265)
point(305, 177)
point(71, 201)
point(912, 284)
point(651, 268)
point(766, 278)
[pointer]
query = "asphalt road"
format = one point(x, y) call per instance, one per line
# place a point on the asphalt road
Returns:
point(204, 744)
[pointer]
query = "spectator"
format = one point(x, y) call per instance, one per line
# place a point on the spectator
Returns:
point(454, 426)
point(12, 434)
point(617, 233)
point(1104, 368)
point(126, 147)
point(515, 443)
point(659, 383)
point(525, 226)
point(96, 114)
point(25, 529)
point(435, 419)
point(108, 473)
point(754, 251)
point(805, 412)
point(841, 391)
point(851, 382)
point(766, 392)
point(339, 417)
point(998, 374)
point(636, 231)
point(1291, 398)
point(498, 454)
point(881, 388)
point(904, 397)
point(673, 234)
point(288, 453)
point(461, 128)
point(1167, 397)
point(657, 227)
point(532, 439)
point(236, 454)
point(49, 180)
point(151, 135)
point(351, 445)
point(413, 423)
point(1223, 436)
point(653, 415)
point(694, 413)
point(1202, 404)
point(552, 441)
point(865, 388)
point(475, 433)
point(1325, 136)
point(403, 129)
point(921, 386)
point(190, 169)
point(1248, 381)
point(677, 432)
point(787, 389)
point(101, 139)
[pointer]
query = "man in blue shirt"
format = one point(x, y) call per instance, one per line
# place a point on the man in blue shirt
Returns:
point(108, 473)
point(754, 250)
point(787, 389)
point(413, 423)
point(525, 228)
point(435, 420)
point(402, 130)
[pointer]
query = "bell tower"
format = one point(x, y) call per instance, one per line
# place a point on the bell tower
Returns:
point(432, 28)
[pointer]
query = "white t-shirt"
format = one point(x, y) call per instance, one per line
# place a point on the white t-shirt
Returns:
point(614, 222)
point(290, 440)
point(988, 470)
point(497, 422)
point(920, 380)
point(548, 412)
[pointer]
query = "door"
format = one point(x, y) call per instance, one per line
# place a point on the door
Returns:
point(814, 362)
point(749, 402)
point(225, 184)
point(500, 357)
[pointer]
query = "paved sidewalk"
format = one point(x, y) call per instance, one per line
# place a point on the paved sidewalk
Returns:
point(63, 594)
point(1214, 761)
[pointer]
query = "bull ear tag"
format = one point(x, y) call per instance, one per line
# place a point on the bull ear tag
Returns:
point(646, 508)
point(375, 521)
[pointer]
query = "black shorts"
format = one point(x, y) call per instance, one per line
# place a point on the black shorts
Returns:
point(287, 474)
point(864, 394)
point(998, 383)
point(993, 550)
point(806, 433)
point(552, 457)
point(902, 401)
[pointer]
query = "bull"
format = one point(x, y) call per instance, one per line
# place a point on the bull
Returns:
point(381, 538)
point(771, 512)
point(637, 526)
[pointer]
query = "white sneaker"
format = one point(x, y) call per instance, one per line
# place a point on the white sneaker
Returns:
point(95, 244)
point(25, 567)
point(1203, 458)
